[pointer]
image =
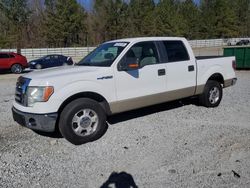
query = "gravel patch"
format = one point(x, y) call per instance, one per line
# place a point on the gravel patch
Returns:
point(177, 144)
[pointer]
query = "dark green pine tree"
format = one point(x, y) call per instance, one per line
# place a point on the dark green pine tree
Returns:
point(141, 18)
point(99, 20)
point(190, 14)
point(116, 20)
point(109, 19)
point(218, 19)
point(168, 19)
point(17, 13)
point(64, 22)
point(242, 10)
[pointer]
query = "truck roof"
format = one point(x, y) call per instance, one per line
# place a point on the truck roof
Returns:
point(138, 39)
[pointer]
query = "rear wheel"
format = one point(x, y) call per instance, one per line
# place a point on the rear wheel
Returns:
point(16, 68)
point(212, 94)
point(83, 120)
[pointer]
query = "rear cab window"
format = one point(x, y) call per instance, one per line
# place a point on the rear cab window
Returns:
point(176, 51)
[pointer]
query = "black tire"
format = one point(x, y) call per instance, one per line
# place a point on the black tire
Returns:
point(16, 68)
point(38, 66)
point(210, 98)
point(73, 109)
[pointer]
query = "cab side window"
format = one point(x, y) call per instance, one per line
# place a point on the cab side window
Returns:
point(176, 51)
point(54, 57)
point(145, 53)
point(48, 57)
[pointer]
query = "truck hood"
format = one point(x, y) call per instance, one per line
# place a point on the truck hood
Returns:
point(71, 73)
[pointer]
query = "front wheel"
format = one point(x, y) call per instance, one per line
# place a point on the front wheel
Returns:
point(38, 66)
point(212, 94)
point(16, 68)
point(83, 120)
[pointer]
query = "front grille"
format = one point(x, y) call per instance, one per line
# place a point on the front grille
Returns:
point(21, 87)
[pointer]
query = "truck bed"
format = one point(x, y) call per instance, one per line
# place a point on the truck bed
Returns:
point(207, 57)
point(209, 65)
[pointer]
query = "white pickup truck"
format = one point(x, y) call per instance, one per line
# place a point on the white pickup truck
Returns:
point(118, 76)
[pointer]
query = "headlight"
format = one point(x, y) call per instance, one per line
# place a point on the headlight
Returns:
point(38, 94)
point(32, 62)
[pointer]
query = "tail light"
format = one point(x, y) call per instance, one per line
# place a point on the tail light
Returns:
point(234, 64)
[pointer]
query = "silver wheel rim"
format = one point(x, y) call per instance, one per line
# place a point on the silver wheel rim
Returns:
point(214, 95)
point(38, 66)
point(17, 69)
point(85, 122)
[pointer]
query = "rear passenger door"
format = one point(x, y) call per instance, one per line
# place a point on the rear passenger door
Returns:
point(5, 61)
point(180, 69)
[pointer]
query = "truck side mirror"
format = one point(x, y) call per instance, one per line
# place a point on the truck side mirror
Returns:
point(129, 63)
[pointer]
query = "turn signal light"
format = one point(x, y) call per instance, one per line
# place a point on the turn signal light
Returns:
point(48, 91)
point(135, 65)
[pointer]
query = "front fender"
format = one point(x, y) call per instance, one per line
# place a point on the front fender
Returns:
point(63, 93)
point(85, 86)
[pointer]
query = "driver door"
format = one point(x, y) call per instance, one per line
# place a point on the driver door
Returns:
point(140, 87)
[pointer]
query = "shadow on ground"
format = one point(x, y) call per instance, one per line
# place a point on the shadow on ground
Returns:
point(4, 72)
point(120, 180)
point(55, 134)
point(125, 116)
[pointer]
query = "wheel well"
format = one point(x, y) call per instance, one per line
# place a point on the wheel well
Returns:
point(91, 95)
point(217, 77)
point(16, 64)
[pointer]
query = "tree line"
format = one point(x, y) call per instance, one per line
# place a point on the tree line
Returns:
point(65, 23)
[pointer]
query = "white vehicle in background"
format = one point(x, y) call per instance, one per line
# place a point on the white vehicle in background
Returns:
point(118, 76)
point(238, 41)
point(232, 42)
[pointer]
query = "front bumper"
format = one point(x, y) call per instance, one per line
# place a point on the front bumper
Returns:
point(41, 122)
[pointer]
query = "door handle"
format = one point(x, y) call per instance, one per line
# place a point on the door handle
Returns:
point(161, 72)
point(190, 68)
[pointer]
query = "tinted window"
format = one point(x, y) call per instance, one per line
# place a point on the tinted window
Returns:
point(4, 56)
point(47, 57)
point(54, 57)
point(62, 57)
point(12, 56)
point(176, 51)
point(144, 52)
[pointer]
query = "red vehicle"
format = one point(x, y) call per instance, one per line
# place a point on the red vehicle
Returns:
point(13, 61)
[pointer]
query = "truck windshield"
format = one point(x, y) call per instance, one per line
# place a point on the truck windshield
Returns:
point(104, 55)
